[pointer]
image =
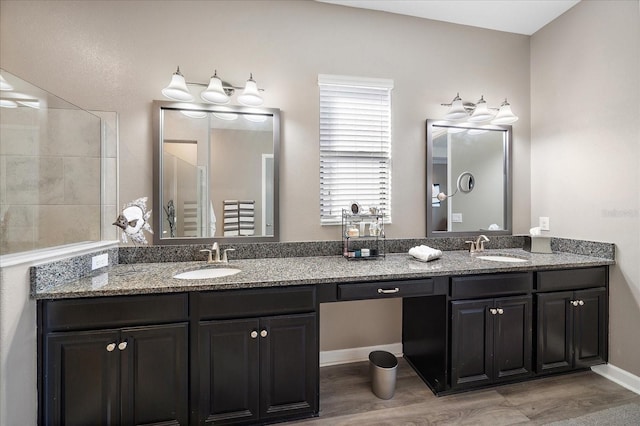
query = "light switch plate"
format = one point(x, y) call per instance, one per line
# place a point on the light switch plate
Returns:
point(456, 217)
point(544, 223)
point(99, 261)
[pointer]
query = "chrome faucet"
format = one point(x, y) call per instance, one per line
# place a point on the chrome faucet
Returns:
point(215, 248)
point(477, 245)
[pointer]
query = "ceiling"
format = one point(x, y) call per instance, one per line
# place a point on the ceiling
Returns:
point(514, 16)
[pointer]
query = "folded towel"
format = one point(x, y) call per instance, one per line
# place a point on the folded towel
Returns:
point(425, 253)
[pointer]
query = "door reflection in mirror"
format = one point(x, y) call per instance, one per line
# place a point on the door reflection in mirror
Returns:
point(216, 174)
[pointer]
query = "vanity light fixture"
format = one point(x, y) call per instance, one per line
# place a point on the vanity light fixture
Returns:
point(217, 91)
point(479, 112)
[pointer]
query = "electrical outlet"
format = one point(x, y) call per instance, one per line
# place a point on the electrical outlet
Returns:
point(456, 217)
point(99, 261)
point(544, 223)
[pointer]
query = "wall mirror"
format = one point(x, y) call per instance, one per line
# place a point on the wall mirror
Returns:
point(215, 173)
point(468, 179)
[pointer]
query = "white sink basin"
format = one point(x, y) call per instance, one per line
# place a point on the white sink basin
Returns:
point(203, 274)
point(498, 258)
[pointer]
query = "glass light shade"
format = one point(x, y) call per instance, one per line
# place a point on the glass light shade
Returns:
point(477, 131)
point(194, 114)
point(6, 103)
point(214, 93)
point(255, 118)
point(4, 85)
point(250, 95)
point(505, 115)
point(481, 113)
point(457, 111)
point(223, 115)
point(177, 89)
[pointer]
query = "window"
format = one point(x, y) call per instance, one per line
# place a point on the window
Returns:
point(355, 145)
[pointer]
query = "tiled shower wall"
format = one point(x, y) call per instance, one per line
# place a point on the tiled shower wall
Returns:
point(57, 180)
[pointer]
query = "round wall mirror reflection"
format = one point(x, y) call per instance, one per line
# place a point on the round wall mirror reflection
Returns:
point(466, 181)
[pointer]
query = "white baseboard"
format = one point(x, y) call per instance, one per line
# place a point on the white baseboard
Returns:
point(345, 356)
point(619, 376)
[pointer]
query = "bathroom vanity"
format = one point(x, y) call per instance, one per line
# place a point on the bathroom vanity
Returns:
point(146, 348)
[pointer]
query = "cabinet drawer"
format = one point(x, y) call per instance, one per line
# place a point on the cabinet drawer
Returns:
point(116, 311)
point(568, 279)
point(385, 289)
point(491, 285)
point(255, 302)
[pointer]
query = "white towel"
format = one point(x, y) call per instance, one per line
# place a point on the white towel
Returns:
point(425, 253)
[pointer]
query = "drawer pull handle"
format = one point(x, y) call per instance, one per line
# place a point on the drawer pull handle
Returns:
point(254, 334)
point(493, 311)
point(389, 291)
point(111, 347)
point(500, 311)
point(263, 333)
point(122, 346)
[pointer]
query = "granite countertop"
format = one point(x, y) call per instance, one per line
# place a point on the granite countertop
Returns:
point(146, 278)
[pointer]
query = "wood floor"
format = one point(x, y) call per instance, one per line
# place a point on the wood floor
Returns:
point(346, 399)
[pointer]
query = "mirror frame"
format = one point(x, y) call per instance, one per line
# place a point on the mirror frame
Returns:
point(507, 178)
point(158, 125)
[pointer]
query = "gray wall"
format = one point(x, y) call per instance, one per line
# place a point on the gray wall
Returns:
point(585, 149)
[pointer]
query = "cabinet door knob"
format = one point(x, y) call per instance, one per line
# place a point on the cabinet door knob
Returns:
point(389, 291)
point(254, 334)
point(263, 333)
point(111, 347)
point(500, 311)
point(581, 302)
point(493, 311)
point(122, 346)
point(574, 302)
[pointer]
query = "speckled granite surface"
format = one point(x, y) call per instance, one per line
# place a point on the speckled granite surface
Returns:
point(144, 278)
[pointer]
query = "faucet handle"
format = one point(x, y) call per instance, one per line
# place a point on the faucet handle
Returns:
point(224, 255)
point(215, 246)
point(210, 260)
point(472, 247)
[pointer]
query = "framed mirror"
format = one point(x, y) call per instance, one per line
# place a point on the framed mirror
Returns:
point(468, 179)
point(215, 173)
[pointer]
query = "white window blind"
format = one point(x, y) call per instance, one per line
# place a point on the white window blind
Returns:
point(355, 145)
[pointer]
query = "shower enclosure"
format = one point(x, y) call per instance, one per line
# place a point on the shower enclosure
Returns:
point(58, 170)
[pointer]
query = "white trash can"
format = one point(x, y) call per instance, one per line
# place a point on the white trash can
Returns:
point(383, 368)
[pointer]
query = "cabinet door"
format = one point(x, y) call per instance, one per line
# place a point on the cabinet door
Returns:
point(81, 378)
point(154, 374)
point(512, 338)
point(554, 329)
point(589, 331)
point(471, 343)
point(229, 386)
point(288, 365)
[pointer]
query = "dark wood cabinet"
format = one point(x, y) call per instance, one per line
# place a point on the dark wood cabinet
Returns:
point(571, 329)
point(122, 376)
point(258, 369)
point(239, 356)
point(114, 360)
point(490, 340)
